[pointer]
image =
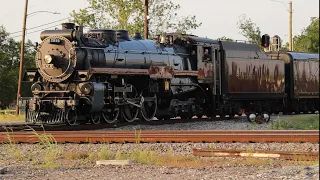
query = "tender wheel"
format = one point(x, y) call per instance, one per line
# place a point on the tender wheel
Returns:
point(266, 116)
point(110, 115)
point(260, 118)
point(149, 108)
point(251, 117)
point(71, 117)
point(95, 118)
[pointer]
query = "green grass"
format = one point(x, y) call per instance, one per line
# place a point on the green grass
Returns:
point(300, 122)
point(8, 116)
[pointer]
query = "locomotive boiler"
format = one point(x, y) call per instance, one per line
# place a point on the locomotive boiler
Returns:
point(104, 73)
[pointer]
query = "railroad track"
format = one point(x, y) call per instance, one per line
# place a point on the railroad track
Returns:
point(299, 136)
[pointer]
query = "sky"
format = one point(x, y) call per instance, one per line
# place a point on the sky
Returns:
point(219, 18)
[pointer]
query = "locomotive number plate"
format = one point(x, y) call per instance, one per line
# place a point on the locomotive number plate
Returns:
point(55, 41)
point(47, 66)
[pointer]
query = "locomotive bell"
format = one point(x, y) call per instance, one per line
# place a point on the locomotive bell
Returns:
point(163, 40)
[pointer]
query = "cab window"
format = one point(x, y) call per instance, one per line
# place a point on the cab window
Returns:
point(206, 54)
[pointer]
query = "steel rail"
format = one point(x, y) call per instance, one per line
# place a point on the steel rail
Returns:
point(206, 152)
point(176, 132)
point(162, 136)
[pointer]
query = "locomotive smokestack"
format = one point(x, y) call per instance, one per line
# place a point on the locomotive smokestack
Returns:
point(67, 26)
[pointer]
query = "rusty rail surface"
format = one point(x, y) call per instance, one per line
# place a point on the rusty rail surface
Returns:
point(163, 136)
point(206, 152)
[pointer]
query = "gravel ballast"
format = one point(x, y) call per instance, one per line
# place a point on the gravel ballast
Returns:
point(223, 169)
point(138, 172)
point(236, 123)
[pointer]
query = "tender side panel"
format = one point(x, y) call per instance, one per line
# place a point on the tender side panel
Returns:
point(255, 76)
point(306, 78)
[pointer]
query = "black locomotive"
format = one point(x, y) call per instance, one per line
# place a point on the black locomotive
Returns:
point(105, 75)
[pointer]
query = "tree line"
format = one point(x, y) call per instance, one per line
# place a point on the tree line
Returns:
point(129, 15)
point(9, 64)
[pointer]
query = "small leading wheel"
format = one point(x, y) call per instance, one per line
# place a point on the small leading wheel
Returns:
point(110, 115)
point(149, 108)
point(71, 117)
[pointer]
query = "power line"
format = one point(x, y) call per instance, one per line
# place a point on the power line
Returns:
point(41, 25)
point(37, 30)
point(47, 23)
point(283, 3)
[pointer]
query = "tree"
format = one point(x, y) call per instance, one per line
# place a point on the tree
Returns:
point(9, 64)
point(249, 30)
point(308, 41)
point(129, 15)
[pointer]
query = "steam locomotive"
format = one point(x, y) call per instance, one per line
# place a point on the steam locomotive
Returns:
point(105, 75)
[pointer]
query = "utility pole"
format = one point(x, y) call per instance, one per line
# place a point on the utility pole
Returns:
point(22, 54)
point(290, 27)
point(146, 16)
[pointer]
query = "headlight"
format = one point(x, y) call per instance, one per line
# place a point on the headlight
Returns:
point(48, 58)
point(36, 87)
